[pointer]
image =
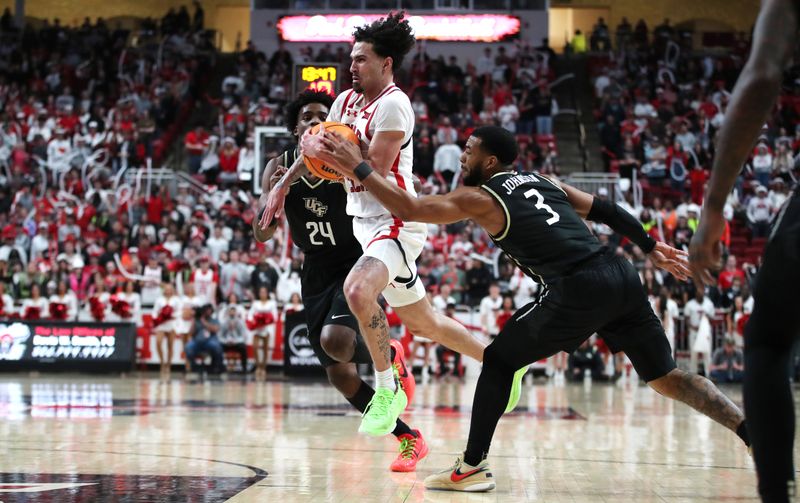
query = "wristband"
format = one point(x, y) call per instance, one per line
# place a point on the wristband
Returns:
point(362, 171)
point(621, 222)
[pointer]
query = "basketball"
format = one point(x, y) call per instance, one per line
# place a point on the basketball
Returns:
point(317, 167)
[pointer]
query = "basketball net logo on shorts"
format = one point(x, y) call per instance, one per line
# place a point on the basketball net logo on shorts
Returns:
point(12, 341)
point(314, 206)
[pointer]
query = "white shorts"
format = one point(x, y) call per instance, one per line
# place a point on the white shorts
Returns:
point(167, 326)
point(397, 244)
point(268, 334)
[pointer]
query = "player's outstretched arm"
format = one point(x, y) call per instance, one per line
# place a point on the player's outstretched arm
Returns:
point(622, 222)
point(753, 97)
point(461, 204)
point(279, 190)
point(272, 173)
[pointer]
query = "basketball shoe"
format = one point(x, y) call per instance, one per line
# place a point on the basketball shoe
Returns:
point(516, 389)
point(412, 450)
point(380, 416)
point(402, 371)
point(462, 477)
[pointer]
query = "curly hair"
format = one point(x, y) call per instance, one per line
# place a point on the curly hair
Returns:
point(303, 99)
point(390, 37)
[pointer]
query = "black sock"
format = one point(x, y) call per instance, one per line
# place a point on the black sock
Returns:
point(362, 398)
point(491, 398)
point(742, 432)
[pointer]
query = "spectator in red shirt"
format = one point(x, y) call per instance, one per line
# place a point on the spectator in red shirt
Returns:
point(730, 272)
point(506, 311)
point(195, 143)
point(697, 181)
point(228, 161)
point(155, 205)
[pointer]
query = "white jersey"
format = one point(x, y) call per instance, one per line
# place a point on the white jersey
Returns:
point(389, 111)
point(259, 306)
point(134, 300)
point(7, 308)
point(86, 313)
point(42, 304)
point(175, 303)
point(183, 322)
point(205, 285)
point(68, 300)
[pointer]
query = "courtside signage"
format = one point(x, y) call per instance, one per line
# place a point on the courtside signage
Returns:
point(65, 345)
point(455, 28)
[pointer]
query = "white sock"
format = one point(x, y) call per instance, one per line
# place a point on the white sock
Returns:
point(385, 379)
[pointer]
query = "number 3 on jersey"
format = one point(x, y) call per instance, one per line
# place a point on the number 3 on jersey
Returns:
point(324, 229)
point(540, 205)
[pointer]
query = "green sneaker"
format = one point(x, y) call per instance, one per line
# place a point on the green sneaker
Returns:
point(516, 389)
point(380, 416)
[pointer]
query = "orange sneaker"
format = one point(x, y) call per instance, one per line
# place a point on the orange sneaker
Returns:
point(412, 449)
point(404, 374)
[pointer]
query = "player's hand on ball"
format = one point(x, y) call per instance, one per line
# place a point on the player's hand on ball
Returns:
point(671, 260)
point(705, 250)
point(340, 154)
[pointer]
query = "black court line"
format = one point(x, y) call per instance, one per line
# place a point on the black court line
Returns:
point(258, 472)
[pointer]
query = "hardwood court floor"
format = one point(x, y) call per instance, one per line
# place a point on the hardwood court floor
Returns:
point(70, 438)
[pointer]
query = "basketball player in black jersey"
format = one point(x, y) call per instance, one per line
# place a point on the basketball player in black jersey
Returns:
point(774, 326)
point(319, 225)
point(586, 289)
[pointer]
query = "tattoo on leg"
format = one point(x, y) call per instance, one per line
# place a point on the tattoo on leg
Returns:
point(703, 396)
point(381, 326)
point(366, 264)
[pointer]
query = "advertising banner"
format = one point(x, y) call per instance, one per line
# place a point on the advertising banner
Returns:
point(298, 355)
point(54, 345)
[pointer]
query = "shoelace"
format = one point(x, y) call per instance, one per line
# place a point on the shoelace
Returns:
point(407, 446)
point(380, 402)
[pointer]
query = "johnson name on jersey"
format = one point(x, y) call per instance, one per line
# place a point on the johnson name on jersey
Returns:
point(543, 235)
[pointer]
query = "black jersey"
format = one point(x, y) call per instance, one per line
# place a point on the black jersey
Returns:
point(543, 235)
point(319, 224)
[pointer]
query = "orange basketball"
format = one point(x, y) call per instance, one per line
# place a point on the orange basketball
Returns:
point(317, 167)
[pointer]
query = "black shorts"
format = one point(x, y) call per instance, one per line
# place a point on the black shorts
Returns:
point(329, 307)
point(774, 322)
point(604, 296)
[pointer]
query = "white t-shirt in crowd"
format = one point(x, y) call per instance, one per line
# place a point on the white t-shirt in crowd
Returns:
point(488, 310)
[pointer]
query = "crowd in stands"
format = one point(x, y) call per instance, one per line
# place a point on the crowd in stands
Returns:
point(507, 87)
point(659, 106)
point(78, 247)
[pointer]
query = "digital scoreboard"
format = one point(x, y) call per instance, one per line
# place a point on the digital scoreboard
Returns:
point(317, 77)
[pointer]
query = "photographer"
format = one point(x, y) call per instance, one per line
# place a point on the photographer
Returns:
point(204, 339)
point(232, 334)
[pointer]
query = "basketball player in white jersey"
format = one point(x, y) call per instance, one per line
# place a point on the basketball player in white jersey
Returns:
point(382, 117)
